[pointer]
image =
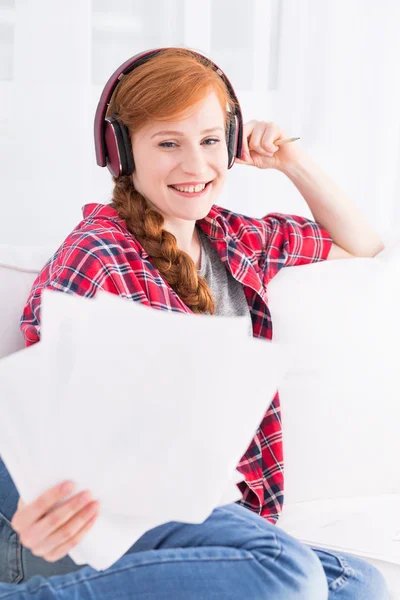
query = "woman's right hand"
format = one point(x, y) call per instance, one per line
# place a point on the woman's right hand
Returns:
point(50, 529)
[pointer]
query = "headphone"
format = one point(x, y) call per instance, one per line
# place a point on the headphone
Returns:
point(111, 137)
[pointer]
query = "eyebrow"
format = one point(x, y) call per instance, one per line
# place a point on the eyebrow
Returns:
point(180, 132)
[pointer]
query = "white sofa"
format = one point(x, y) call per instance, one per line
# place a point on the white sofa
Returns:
point(342, 481)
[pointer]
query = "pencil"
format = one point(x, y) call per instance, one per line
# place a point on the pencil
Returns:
point(285, 141)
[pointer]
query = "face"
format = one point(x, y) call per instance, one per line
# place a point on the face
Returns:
point(183, 155)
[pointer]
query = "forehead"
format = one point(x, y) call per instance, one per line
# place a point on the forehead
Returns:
point(207, 113)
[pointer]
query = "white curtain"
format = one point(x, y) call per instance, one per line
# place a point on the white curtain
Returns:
point(339, 65)
point(325, 71)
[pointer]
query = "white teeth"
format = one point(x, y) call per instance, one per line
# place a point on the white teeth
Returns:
point(191, 189)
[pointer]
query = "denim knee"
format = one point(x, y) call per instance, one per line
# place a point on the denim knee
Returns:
point(286, 569)
point(302, 571)
point(363, 580)
point(291, 569)
point(374, 584)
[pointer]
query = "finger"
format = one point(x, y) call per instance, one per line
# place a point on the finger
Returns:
point(31, 513)
point(66, 533)
point(63, 549)
point(247, 130)
point(245, 160)
point(267, 141)
point(259, 131)
point(55, 519)
point(21, 504)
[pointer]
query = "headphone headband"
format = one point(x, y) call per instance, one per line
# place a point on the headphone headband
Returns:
point(133, 62)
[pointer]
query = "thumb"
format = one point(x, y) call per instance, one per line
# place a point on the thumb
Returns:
point(21, 503)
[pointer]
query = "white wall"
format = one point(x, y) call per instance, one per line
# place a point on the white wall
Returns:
point(284, 59)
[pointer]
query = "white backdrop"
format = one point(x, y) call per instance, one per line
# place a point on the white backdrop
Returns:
point(324, 71)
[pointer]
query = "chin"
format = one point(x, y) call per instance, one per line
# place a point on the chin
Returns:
point(193, 214)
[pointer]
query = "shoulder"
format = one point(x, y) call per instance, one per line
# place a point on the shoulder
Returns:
point(241, 225)
point(269, 224)
point(234, 221)
point(253, 233)
point(99, 253)
point(99, 240)
point(238, 222)
point(285, 238)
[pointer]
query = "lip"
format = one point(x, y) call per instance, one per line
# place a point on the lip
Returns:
point(191, 183)
point(192, 194)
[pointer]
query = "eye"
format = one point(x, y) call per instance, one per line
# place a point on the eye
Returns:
point(164, 144)
point(172, 144)
point(216, 140)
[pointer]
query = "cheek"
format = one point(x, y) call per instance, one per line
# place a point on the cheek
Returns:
point(222, 162)
point(151, 173)
point(223, 158)
point(165, 164)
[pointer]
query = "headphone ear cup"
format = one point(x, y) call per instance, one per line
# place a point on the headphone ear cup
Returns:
point(231, 138)
point(129, 164)
point(118, 147)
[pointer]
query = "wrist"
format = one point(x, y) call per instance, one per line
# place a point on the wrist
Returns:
point(297, 165)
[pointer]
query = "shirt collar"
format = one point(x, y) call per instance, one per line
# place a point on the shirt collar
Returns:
point(213, 224)
point(215, 228)
point(101, 211)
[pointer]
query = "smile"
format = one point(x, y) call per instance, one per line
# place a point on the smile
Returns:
point(192, 194)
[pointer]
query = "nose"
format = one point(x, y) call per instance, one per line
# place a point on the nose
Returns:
point(194, 162)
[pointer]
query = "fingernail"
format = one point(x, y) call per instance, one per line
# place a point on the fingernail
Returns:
point(67, 487)
point(95, 507)
point(85, 498)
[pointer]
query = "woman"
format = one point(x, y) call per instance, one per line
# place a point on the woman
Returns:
point(163, 241)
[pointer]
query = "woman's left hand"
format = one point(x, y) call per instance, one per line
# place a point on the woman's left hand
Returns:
point(259, 149)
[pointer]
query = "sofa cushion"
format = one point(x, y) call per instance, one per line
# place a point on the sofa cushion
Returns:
point(18, 270)
point(340, 401)
point(368, 527)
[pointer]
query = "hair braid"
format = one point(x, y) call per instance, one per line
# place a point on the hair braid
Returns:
point(176, 266)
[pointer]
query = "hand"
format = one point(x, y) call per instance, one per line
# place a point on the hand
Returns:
point(50, 529)
point(259, 150)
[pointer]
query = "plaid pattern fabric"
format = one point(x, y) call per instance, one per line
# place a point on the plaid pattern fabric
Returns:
point(100, 253)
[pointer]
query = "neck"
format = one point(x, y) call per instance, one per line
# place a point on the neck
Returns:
point(187, 238)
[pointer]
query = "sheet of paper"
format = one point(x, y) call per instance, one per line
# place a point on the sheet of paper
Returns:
point(150, 410)
point(122, 531)
point(20, 392)
point(156, 393)
point(143, 385)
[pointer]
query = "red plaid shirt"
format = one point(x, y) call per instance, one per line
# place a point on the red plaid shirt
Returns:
point(100, 253)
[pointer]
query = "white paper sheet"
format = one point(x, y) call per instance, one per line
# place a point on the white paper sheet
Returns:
point(150, 410)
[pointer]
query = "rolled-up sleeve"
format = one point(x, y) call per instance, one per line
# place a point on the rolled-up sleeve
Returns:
point(291, 240)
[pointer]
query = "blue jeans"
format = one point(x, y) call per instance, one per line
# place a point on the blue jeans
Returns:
point(234, 554)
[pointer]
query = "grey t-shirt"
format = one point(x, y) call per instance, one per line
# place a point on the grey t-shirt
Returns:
point(227, 292)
